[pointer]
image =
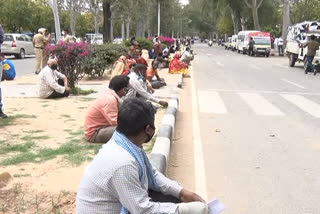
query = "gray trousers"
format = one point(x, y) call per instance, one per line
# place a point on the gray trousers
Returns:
point(103, 134)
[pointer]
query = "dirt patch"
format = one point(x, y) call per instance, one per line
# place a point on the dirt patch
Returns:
point(39, 139)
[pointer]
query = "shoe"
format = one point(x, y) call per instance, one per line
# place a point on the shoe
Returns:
point(37, 72)
point(3, 115)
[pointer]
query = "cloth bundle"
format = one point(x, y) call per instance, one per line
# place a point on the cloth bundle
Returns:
point(299, 31)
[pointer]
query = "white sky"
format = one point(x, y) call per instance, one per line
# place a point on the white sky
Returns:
point(184, 2)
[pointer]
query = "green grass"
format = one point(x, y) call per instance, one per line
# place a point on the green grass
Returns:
point(11, 119)
point(45, 105)
point(75, 152)
point(25, 147)
point(65, 115)
point(87, 99)
point(31, 138)
point(80, 91)
point(82, 107)
point(34, 131)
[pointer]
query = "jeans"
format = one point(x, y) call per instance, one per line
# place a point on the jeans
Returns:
point(280, 49)
point(309, 67)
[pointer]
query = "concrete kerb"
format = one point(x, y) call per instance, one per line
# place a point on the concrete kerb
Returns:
point(161, 150)
point(180, 82)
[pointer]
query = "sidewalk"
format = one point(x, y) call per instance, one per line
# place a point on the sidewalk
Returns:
point(26, 86)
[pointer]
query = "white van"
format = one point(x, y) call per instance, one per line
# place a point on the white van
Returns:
point(234, 39)
point(243, 41)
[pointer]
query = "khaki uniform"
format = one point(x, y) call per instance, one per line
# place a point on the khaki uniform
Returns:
point(68, 39)
point(39, 43)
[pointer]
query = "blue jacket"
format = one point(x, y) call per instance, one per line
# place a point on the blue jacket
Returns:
point(8, 68)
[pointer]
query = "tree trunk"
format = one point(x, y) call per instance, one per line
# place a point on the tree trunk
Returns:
point(286, 18)
point(235, 21)
point(122, 31)
point(111, 30)
point(96, 20)
point(255, 18)
point(243, 24)
point(54, 7)
point(73, 21)
point(128, 29)
point(139, 30)
point(106, 21)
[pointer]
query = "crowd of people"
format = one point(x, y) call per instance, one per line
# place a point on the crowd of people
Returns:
point(121, 178)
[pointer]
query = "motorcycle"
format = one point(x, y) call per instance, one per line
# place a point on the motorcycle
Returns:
point(210, 43)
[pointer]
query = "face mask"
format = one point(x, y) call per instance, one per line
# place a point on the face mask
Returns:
point(149, 136)
point(54, 67)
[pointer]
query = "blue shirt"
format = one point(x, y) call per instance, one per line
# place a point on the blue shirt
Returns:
point(8, 68)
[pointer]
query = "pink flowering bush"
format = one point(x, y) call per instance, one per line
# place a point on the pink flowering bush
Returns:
point(165, 40)
point(71, 59)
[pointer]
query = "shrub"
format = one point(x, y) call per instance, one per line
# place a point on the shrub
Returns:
point(143, 42)
point(71, 59)
point(101, 57)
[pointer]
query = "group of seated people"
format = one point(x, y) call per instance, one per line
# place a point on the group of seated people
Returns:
point(121, 179)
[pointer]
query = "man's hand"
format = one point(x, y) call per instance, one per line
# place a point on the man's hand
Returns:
point(187, 196)
point(67, 88)
point(163, 103)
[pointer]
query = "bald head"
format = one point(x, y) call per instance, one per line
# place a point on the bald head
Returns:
point(52, 62)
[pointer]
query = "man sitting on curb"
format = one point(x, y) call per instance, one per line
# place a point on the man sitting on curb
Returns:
point(137, 79)
point(153, 71)
point(120, 179)
point(101, 120)
point(9, 71)
point(52, 84)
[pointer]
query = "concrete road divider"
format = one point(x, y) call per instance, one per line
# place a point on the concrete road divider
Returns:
point(161, 150)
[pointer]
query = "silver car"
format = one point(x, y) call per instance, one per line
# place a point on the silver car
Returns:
point(18, 45)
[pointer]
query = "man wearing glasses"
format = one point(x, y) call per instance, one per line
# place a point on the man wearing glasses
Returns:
point(101, 119)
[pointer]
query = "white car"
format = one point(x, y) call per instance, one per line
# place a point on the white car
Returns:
point(18, 45)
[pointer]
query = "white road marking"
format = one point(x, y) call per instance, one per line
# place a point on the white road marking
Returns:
point(220, 64)
point(199, 168)
point(293, 83)
point(256, 67)
point(282, 66)
point(304, 104)
point(264, 92)
point(260, 105)
point(211, 102)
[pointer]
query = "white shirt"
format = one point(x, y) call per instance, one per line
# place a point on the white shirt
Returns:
point(48, 82)
point(279, 41)
point(111, 181)
point(136, 87)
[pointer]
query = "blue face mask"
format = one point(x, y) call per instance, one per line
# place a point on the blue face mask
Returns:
point(141, 77)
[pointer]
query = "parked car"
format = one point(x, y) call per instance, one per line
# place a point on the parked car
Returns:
point(18, 45)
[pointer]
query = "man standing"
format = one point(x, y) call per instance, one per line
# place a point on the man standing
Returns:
point(101, 120)
point(2, 115)
point(121, 179)
point(137, 78)
point(52, 84)
point(66, 37)
point(280, 46)
point(313, 46)
point(157, 47)
point(39, 43)
point(251, 46)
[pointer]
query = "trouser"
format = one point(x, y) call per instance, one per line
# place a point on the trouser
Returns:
point(250, 51)
point(57, 94)
point(6, 77)
point(309, 67)
point(39, 59)
point(103, 134)
point(280, 49)
point(156, 84)
point(161, 198)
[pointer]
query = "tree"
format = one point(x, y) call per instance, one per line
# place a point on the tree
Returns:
point(286, 18)
point(107, 20)
point(95, 6)
point(255, 5)
point(54, 6)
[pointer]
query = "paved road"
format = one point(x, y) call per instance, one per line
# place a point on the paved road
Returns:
point(256, 131)
point(24, 66)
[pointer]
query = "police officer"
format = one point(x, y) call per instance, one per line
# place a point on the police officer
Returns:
point(39, 43)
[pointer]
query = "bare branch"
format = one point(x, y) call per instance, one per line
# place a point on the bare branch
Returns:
point(259, 4)
point(247, 3)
